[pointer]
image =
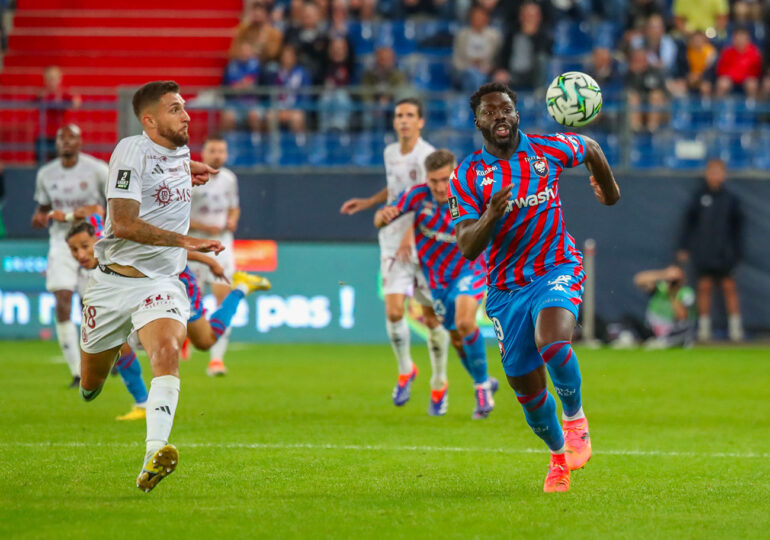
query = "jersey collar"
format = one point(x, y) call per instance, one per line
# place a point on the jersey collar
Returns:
point(523, 147)
point(179, 152)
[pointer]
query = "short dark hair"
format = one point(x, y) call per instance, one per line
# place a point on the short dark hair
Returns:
point(150, 93)
point(491, 88)
point(413, 101)
point(216, 137)
point(79, 227)
point(440, 158)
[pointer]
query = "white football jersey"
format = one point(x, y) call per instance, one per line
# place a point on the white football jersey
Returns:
point(159, 180)
point(403, 171)
point(212, 201)
point(66, 189)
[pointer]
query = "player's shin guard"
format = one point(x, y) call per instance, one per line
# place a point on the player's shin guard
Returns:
point(540, 412)
point(161, 407)
point(563, 367)
point(398, 332)
point(475, 357)
point(131, 373)
point(221, 318)
point(67, 335)
point(438, 350)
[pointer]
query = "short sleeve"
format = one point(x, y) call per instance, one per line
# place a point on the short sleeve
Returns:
point(102, 171)
point(569, 149)
point(409, 199)
point(463, 200)
point(41, 193)
point(124, 179)
point(235, 201)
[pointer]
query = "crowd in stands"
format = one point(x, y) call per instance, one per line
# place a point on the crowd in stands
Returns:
point(651, 51)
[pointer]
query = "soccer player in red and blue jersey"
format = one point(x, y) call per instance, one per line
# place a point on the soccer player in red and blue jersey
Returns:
point(504, 199)
point(456, 284)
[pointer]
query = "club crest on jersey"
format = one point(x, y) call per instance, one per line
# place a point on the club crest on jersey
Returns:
point(540, 166)
point(454, 209)
point(413, 174)
point(83, 186)
point(186, 167)
point(124, 179)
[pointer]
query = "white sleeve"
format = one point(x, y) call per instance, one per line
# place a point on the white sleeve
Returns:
point(235, 202)
point(102, 171)
point(41, 194)
point(124, 180)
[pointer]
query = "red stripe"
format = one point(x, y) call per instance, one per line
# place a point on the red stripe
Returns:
point(576, 301)
point(558, 154)
point(551, 350)
point(569, 355)
point(496, 265)
point(576, 286)
point(486, 191)
point(526, 399)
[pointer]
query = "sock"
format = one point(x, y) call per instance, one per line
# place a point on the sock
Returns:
point(67, 335)
point(398, 332)
point(562, 365)
point(540, 412)
point(735, 327)
point(161, 407)
point(475, 357)
point(704, 328)
point(221, 318)
point(438, 350)
point(219, 348)
point(577, 416)
point(131, 372)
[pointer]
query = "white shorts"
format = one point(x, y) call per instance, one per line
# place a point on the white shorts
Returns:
point(116, 307)
point(203, 273)
point(405, 278)
point(84, 276)
point(62, 271)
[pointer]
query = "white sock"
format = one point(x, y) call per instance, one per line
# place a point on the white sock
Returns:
point(217, 351)
point(161, 407)
point(398, 332)
point(438, 350)
point(576, 416)
point(735, 327)
point(67, 334)
point(704, 328)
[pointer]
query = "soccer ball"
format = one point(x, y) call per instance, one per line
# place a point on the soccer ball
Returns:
point(574, 99)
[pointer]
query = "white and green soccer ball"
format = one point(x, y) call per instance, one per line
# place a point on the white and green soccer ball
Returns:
point(574, 99)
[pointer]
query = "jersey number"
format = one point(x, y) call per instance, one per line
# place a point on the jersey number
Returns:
point(89, 316)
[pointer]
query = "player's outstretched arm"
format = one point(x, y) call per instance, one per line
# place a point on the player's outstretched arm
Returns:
point(216, 268)
point(40, 217)
point(385, 215)
point(473, 234)
point(602, 181)
point(124, 214)
point(352, 206)
point(200, 172)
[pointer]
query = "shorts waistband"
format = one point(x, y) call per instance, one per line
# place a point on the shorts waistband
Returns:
point(112, 272)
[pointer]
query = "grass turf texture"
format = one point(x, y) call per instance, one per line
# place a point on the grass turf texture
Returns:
point(303, 441)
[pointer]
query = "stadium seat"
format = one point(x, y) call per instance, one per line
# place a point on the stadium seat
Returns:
point(571, 39)
point(362, 36)
point(735, 114)
point(295, 149)
point(736, 150)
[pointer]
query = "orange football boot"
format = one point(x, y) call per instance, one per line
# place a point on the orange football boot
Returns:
point(557, 478)
point(578, 442)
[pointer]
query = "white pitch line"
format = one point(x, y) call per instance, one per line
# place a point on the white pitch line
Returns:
point(405, 448)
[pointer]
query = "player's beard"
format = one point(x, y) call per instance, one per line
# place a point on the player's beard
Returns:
point(504, 144)
point(177, 138)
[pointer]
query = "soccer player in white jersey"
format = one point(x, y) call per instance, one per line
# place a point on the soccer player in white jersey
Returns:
point(72, 180)
point(136, 292)
point(215, 213)
point(399, 266)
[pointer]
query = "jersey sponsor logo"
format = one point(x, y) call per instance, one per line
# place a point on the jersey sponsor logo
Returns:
point(559, 283)
point(531, 200)
point(437, 235)
point(570, 140)
point(157, 169)
point(540, 167)
point(124, 179)
point(484, 172)
point(454, 209)
point(464, 285)
point(164, 195)
point(488, 181)
point(454, 175)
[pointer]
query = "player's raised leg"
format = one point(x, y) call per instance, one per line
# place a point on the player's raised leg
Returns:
point(218, 349)
point(95, 368)
point(474, 356)
point(400, 341)
point(438, 351)
point(67, 333)
point(131, 372)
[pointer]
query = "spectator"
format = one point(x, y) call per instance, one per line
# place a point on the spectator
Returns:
point(701, 57)
point(289, 109)
point(475, 49)
point(639, 11)
point(54, 103)
point(739, 65)
point(257, 30)
point(310, 41)
point(384, 79)
point(712, 238)
point(709, 16)
point(646, 91)
point(526, 51)
point(661, 48)
point(336, 105)
point(411, 8)
point(338, 19)
point(363, 10)
point(288, 15)
point(606, 71)
point(241, 73)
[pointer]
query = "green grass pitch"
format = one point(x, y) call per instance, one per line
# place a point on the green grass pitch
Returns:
point(303, 442)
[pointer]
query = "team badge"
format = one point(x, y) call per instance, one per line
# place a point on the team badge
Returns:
point(540, 166)
point(454, 210)
point(186, 167)
point(83, 186)
point(413, 174)
point(124, 179)
point(163, 195)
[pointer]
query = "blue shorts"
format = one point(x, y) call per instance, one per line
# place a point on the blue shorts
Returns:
point(514, 313)
point(469, 284)
point(194, 293)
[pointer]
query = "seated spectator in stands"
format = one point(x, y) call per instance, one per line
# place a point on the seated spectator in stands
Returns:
point(335, 104)
point(54, 101)
point(383, 80)
point(409, 8)
point(606, 71)
point(646, 90)
point(241, 73)
point(288, 108)
point(256, 29)
point(364, 11)
point(709, 16)
point(310, 41)
point(526, 51)
point(475, 48)
point(338, 19)
point(739, 66)
point(661, 48)
point(639, 11)
point(701, 59)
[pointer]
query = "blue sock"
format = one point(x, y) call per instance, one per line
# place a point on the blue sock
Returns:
point(540, 412)
point(563, 367)
point(221, 318)
point(475, 357)
point(131, 373)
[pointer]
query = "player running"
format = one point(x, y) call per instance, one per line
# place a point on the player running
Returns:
point(400, 269)
point(72, 180)
point(136, 292)
point(505, 198)
point(456, 284)
point(215, 213)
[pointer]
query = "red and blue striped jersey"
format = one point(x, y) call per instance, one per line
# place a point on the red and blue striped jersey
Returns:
point(531, 238)
point(434, 237)
point(98, 224)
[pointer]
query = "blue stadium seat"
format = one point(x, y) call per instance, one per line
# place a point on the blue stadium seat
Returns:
point(571, 39)
point(762, 157)
point(644, 154)
point(432, 75)
point(245, 149)
point(362, 36)
point(399, 35)
point(686, 150)
point(460, 114)
point(294, 149)
point(737, 151)
point(735, 114)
